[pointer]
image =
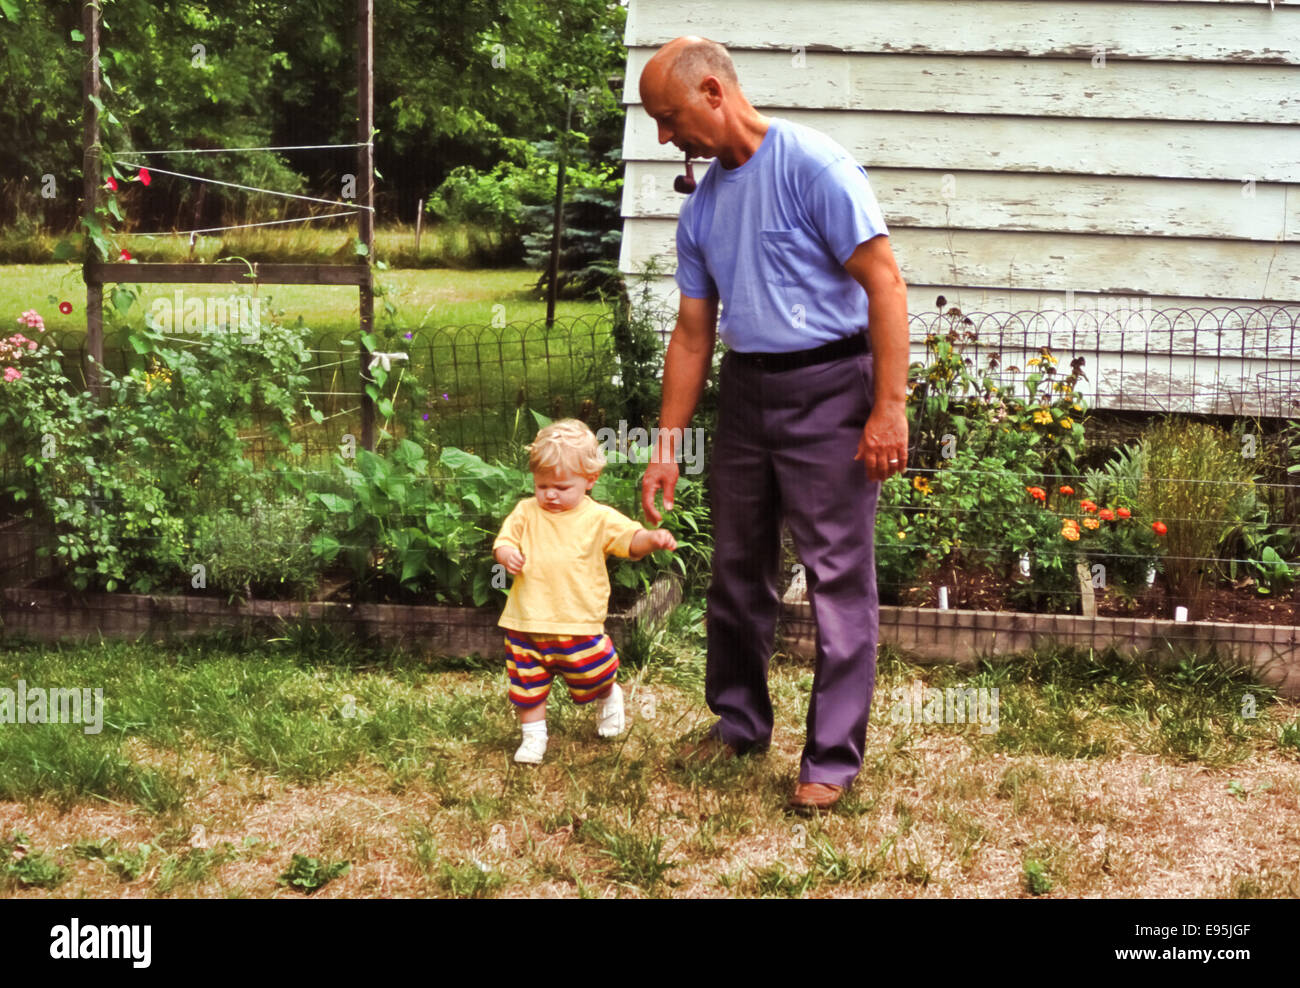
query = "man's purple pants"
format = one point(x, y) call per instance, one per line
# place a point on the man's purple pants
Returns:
point(784, 449)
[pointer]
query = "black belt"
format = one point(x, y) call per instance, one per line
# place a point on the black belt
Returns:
point(848, 346)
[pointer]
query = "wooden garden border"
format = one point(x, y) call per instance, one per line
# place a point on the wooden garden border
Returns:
point(98, 273)
point(66, 616)
point(964, 636)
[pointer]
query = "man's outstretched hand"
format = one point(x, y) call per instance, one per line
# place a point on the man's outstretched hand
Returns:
point(658, 476)
point(883, 446)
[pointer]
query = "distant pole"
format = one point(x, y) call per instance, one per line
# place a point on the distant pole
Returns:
point(366, 176)
point(557, 227)
point(419, 213)
point(90, 197)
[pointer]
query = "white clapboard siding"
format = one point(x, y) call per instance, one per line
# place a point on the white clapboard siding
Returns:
point(1050, 87)
point(1068, 204)
point(1140, 148)
point(1234, 33)
point(1020, 172)
point(1060, 262)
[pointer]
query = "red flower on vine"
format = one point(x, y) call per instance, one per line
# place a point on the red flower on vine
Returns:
point(1159, 527)
point(144, 176)
point(111, 183)
point(65, 307)
point(126, 255)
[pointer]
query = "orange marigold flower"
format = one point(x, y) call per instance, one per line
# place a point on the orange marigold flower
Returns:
point(1087, 506)
point(1123, 512)
point(1091, 523)
point(1067, 490)
point(1105, 514)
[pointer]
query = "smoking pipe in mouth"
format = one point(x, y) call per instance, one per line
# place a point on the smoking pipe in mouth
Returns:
point(685, 184)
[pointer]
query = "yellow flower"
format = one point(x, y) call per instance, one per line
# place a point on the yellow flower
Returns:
point(1071, 534)
point(921, 484)
point(1090, 523)
point(1048, 358)
point(1067, 422)
point(902, 535)
point(1033, 362)
point(1043, 417)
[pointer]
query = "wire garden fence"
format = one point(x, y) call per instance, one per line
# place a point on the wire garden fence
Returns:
point(997, 506)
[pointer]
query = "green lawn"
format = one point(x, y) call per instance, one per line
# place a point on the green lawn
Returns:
point(430, 297)
point(219, 764)
point(480, 340)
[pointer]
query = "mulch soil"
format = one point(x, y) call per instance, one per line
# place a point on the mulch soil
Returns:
point(983, 590)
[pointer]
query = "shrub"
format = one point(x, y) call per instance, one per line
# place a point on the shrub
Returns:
point(119, 482)
point(264, 551)
point(1200, 484)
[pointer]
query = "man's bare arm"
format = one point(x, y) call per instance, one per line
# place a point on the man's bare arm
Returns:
point(687, 364)
point(883, 448)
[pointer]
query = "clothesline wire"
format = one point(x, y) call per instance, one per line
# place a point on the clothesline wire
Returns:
point(250, 188)
point(241, 226)
point(291, 147)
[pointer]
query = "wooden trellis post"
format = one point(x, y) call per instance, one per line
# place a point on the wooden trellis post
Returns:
point(98, 273)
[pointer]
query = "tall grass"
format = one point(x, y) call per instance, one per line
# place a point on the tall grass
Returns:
point(442, 245)
point(1199, 483)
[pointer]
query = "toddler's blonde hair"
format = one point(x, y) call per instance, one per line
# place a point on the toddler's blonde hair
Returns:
point(566, 443)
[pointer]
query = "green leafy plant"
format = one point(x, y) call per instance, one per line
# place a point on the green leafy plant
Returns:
point(127, 865)
point(422, 531)
point(1036, 879)
point(263, 550)
point(119, 482)
point(620, 487)
point(19, 865)
point(311, 874)
point(638, 349)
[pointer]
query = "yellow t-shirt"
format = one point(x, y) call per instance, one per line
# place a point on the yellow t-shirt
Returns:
point(564, 586)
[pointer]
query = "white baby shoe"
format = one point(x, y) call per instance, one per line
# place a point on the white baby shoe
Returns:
point(533, 749)
point(609, 714)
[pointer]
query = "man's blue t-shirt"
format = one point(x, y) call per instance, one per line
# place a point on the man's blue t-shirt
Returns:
point(770, 239)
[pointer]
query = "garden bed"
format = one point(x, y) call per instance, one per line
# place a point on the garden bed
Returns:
point(981, 590)
point(963, 636)
point(60, 615)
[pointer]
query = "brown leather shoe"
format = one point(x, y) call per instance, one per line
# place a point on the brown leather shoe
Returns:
point(815, 796)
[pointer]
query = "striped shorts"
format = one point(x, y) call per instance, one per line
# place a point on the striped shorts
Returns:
point(588, 664)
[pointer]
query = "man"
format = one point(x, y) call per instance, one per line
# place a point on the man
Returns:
point(785, 231)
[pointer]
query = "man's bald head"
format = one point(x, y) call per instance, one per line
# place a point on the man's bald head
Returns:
point(687, 61)
point(689, 88)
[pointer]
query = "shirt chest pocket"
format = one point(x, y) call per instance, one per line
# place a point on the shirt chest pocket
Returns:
point(781, 251)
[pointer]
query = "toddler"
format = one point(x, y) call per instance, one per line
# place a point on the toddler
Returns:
point(554, 544)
